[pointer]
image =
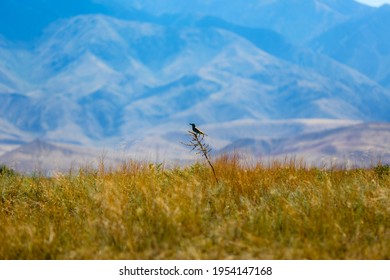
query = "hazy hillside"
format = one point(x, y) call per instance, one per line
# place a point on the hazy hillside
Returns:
point(305, 18)
point(99, 81)
point(362, 44)
point(353, 145)
point(25, 20)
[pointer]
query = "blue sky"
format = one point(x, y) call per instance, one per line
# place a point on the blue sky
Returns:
point(374, 2)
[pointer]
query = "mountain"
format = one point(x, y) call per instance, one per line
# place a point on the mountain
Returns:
point(361, 44)
point(134, 83)
point(355, 145)
point(25, 20)
point(108, 76)
point(43, 157)
point(7, 79)
point(11, 137)
point(306, 18)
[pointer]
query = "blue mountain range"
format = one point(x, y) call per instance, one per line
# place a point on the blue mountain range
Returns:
point(95, 73)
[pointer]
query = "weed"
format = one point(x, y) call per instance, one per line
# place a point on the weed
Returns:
point(197, 143)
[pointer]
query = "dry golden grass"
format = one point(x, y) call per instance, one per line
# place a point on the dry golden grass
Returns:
point(144, 211)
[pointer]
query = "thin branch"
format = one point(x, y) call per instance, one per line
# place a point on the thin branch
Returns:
point(197, 143)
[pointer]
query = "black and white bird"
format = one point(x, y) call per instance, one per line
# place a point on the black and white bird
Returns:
point(197, 130)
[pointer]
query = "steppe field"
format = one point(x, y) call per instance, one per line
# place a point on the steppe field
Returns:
point(278, 210)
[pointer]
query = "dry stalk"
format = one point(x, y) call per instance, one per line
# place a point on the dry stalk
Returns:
point(198, 144)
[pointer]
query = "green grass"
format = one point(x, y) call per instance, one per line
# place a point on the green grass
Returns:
point(143, 211)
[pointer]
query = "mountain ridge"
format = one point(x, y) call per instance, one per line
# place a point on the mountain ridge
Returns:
point(95, 80)
point(347, 43)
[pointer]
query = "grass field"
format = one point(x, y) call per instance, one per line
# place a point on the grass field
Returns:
point(281, 210)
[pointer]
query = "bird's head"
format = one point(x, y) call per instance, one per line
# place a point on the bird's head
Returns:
point(192, 124)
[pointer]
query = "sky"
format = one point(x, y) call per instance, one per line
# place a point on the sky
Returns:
point(374, 2)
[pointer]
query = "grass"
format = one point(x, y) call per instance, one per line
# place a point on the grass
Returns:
point(283, 210)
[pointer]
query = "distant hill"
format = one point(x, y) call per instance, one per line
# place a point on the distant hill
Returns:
point(361, 44)
point(298, 20)
point(356, 145)
point(43, 157)
point(133, 78)
point(25, 20)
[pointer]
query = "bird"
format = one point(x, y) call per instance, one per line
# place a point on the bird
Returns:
point(197, 130)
